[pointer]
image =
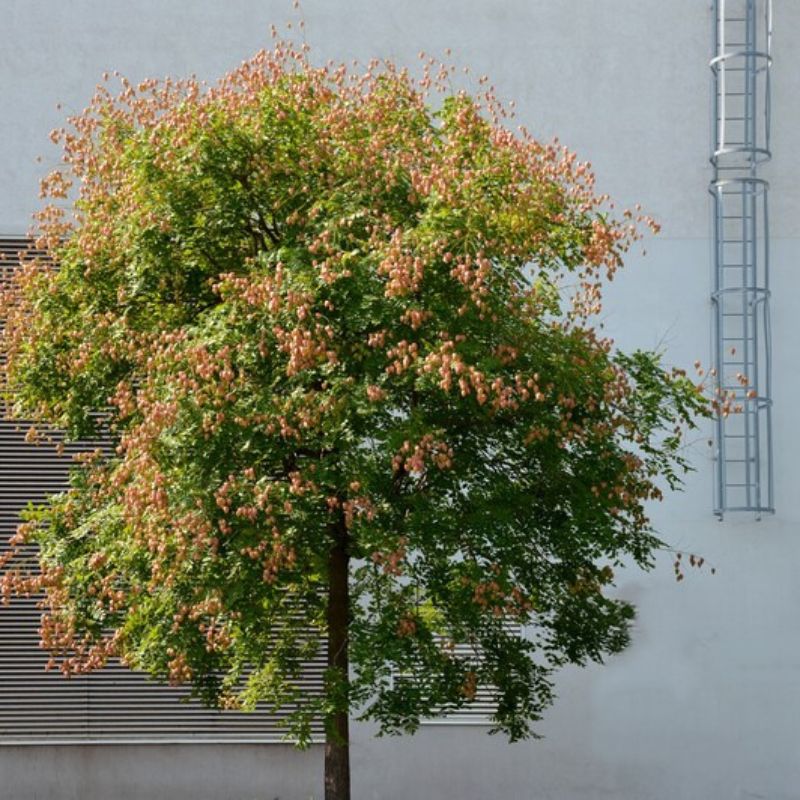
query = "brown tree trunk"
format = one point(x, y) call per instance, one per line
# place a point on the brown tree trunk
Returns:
point(337, 733)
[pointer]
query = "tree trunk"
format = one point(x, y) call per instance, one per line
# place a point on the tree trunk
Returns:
point(337, 733)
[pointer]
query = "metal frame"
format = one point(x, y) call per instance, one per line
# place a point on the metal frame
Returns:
point(740, 66)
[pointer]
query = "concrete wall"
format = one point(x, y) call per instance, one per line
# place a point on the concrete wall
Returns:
point(705, 704)
point(156, 772)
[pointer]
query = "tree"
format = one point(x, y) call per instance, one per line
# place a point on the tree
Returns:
point(329, 332)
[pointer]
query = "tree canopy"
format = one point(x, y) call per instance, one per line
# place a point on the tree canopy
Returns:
point(334, 324)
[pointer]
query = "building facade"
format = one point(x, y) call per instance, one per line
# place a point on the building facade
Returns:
point(706, 701)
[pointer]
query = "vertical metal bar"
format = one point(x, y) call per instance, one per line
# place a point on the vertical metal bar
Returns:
point(750, 82)
point(768, 77)
point(747, 222)
point(715, 104)
point(721, 73)
point(768, 344)
point(751, 404)
point(718, 300)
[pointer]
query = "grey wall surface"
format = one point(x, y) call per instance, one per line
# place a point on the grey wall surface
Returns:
point(706, 702)
point(171, 772)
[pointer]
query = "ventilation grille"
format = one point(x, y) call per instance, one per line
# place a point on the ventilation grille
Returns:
point(483, 706)
point(114, 705)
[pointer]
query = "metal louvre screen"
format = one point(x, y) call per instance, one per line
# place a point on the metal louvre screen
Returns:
point(114, 705)
point(483, 705)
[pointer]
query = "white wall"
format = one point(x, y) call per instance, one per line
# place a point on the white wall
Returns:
point(705, 704)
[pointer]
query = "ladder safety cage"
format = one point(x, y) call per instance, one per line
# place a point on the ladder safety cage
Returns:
point(741, 63)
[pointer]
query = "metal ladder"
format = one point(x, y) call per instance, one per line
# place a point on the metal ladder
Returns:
point(740, 298)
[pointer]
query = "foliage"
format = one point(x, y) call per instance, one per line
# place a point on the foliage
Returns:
point(303, 301)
